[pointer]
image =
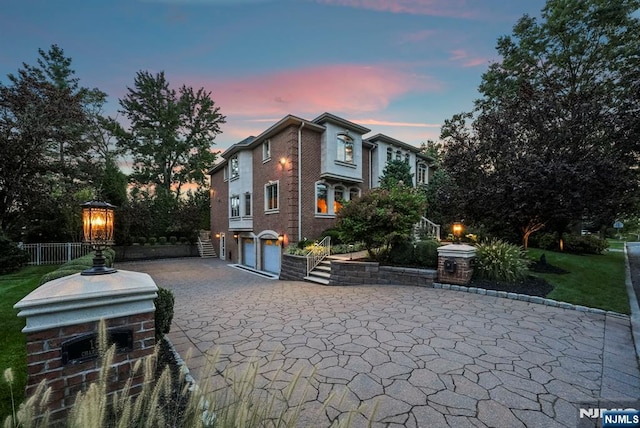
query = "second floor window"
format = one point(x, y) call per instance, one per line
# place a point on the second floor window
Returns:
point(235, 169)
point(235, 206)
point(398, 155)
point(266, 150)
point(247, 204)
point(345, 148)
point(271, 196)
point(422, 174)
point(406, 158)
point(389, 154)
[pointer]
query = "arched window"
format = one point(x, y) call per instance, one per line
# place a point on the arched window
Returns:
point(345, 148)
point(321, 198)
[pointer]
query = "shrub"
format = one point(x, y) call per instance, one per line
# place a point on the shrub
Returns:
point(173, 240)
point(334, 234)
point(426, 253)
point(588, 244)
point(164, 311)
point(183, 239)
point(347, 248)
point(304, 243)
point(153, 240)
point(60, 273)
point(142, 240)
point(12, 257)
point(545, 241)
point(402, 253)
point(162, 240)
point(500, 261)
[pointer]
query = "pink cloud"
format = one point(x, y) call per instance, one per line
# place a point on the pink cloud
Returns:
point(340, 88)
point(451, 8)
point(393, 123)
point(460, 55)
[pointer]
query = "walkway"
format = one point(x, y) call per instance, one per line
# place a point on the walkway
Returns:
point(428, 357)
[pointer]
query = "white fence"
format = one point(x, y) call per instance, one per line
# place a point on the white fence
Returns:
point(55, 253)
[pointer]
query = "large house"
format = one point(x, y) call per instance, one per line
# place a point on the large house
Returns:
point(289, 182)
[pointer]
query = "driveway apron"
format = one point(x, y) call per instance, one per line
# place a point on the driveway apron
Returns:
point(422, 357)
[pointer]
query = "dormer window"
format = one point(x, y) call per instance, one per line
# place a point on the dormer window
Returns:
point(345, 148)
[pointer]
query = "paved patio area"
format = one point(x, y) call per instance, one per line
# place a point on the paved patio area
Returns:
point(427, 357)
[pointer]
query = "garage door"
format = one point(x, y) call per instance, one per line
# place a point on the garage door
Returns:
point(271, 255)
point(249, 252)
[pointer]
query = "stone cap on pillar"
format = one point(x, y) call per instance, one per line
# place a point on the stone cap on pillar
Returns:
point(77, 299)
point(462, 251)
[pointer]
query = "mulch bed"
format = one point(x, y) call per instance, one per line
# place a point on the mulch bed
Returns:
point(531, 286)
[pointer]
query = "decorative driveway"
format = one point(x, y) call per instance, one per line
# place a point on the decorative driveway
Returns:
point(427, 357)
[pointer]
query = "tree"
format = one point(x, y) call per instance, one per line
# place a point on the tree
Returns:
point(381, 218)
point(33, 117)
point(396, 172)
point(171, 133)
point(555, 135)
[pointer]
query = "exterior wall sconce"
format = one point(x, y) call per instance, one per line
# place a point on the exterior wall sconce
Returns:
point(457, 228)
point(281, 237)
point(217, 236)
point(235, 236)
point(97, 228)
point(283, 161)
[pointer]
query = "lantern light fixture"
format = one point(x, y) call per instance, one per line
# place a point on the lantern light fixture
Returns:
point(97, 227)
point(457, 228)
point(281, 237)
point(283, 161)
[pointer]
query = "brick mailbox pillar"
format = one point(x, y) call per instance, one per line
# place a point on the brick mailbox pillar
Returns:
point(62, 318)
point(455, 263)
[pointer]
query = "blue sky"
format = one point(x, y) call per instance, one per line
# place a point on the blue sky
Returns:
point(400, 67)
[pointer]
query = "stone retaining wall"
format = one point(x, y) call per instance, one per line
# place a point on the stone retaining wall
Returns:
point(360, 273)
point(293, 268)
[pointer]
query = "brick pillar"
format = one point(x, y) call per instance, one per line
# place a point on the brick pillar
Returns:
point(62, 318)
point(455, 263)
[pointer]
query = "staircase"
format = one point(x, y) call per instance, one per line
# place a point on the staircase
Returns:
point(321, 273)
point(426, 227)
point(205, 247)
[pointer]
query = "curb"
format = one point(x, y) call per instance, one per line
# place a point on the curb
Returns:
point(532, 299)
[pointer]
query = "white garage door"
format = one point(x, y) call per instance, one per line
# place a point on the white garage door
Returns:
point(249, 252)
point(271, 255)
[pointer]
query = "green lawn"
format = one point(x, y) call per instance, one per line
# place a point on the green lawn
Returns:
point(14, 287)
point(615, 244)
point(596, 281)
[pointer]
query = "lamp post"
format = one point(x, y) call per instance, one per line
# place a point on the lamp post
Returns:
point(97, 227)
point(457, 229)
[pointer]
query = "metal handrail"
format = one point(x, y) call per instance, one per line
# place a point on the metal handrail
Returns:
point(319, 251)
point(430, 227)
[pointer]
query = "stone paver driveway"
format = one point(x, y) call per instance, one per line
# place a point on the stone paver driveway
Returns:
point(427, 357)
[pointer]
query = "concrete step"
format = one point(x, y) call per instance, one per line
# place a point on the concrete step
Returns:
point(317, 280)
point(323, 268)
point(321, 274)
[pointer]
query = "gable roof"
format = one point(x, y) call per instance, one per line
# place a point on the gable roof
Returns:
point(328, 117)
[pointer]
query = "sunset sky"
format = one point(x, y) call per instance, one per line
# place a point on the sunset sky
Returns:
point(400, 67)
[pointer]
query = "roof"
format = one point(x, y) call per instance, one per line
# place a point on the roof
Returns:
point(252, 142)
point(328, 117)
point(389, 140)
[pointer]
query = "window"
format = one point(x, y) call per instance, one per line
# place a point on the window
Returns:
point(226, 172)
point(235, 206)
point(235, 171)
point(422, 174)
point(354, 193)
point(398, 155)
point(266, 150)
point(389, 154)
point(338, 199)
point(321, 198)
point(247, 204)
point(406, 158)
point(271, 196)
point(345, 148)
